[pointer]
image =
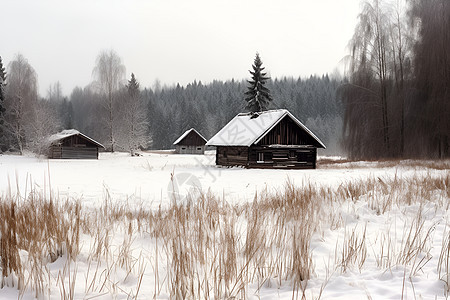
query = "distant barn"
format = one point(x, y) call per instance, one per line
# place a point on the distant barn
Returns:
point(190, 142)
point(72, 144)
point(269, 139)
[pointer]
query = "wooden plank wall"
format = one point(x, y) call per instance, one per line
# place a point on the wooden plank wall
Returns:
point(274, 158)
point(58, 152)
point(289, 157)
point(182, 149)
point(287, 133)
point(55, 152)
point(77, 141)
point(231, 156)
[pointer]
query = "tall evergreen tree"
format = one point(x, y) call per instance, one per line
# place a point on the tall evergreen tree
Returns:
point(66, 113)
point(257, 96)
point(2, 106)
point(133, 87)
point(135, 119)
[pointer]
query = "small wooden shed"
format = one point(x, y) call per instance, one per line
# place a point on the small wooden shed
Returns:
point(268, 139)
point(190, 142)
point(72, 144)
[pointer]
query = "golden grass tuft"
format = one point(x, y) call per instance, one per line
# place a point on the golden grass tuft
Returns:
point(207, 248)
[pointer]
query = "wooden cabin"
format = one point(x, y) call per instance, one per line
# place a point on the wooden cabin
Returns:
point(72, 144)
point(268, 139)
point(190, 142)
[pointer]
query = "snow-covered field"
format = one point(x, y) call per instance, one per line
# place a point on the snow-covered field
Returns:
point(381, 230)
point(147, 179)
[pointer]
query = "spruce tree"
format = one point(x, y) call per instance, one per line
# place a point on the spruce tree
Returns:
point(133, 87)
point(257, 96)
point(135, 119)
point(2, 103)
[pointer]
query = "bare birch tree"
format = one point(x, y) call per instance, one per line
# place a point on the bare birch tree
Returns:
point(367, 116)
point(2, 108)
point(44, 123)
point(399, 81)
point(21, 90)
point(399, 51)
point(54, 92)
point(109, 74)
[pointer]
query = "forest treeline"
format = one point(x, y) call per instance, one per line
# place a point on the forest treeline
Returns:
point(129, 117)
point(397, 98)
point(394, 101)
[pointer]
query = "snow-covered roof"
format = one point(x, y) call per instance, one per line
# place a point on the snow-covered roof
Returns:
point(185, 134)
point(247, 128)
point(70, 132)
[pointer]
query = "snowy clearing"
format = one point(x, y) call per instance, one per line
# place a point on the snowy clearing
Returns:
point(165, 226)
point(147, 179)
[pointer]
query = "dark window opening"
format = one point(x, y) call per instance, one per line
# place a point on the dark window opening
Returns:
point(303, 157)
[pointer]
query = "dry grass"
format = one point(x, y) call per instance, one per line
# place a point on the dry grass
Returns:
point(345, 163)
point(41, 228)
point(443, 267)
point(354, 251)
point(207, 248)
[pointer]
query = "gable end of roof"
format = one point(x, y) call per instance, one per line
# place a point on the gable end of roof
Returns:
point(246, 129)
point(186, 133)
point(300, 124)
point(71, 132)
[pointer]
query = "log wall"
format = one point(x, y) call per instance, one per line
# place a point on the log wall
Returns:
point(232, 156)
point(286, 132)
point(182, 149)
point(192, 139)
point(63, 152)
point(282, 157)
point(272, 157)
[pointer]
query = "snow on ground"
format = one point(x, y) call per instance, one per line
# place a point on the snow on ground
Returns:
point(147, 179)
point(152, 179)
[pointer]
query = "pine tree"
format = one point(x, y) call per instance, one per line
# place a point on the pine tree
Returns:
point(135, 118)
point(133, 87)
point(2, 103)
point(258, 96)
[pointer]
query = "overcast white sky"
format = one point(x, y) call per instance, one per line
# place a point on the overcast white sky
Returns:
point(176, 40)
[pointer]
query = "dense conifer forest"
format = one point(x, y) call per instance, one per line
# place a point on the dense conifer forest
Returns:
point(207, 107)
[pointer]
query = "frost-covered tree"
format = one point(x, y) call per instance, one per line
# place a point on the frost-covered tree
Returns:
point(44, 123)
point(28, 121)
point(258, 95)
point(135, 123)
point(2, 106)
point(21, 98)
point(109, 72)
